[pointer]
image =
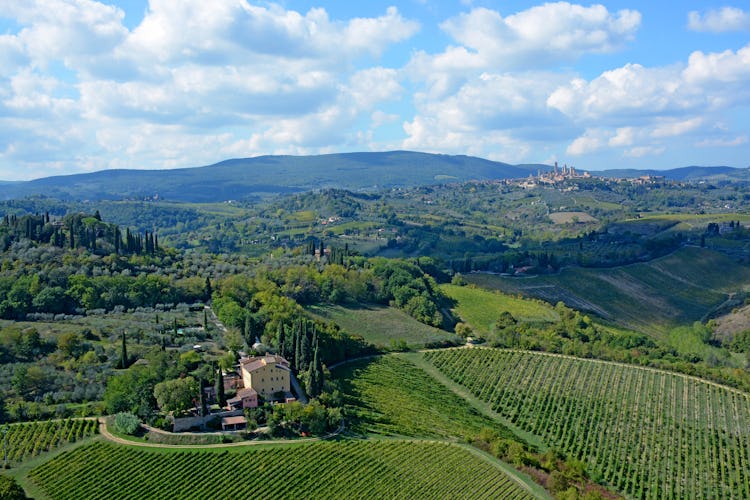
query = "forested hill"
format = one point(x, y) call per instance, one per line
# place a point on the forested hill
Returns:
point(241, 178)
point(693, 173)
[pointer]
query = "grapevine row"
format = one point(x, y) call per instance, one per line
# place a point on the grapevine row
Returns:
point(30, 439)
point(649, 434)
point(348, 469)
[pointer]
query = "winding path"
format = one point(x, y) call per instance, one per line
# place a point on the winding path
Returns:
point(116, 439)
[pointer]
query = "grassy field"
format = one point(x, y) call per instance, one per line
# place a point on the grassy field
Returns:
point(650, 297)
point(480, 308)
point(347, 469)
point(381, 325)
point(649, 434)
point(390, 396)
point(571, 217)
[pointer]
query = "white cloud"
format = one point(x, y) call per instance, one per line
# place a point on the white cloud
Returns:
point(671, 128)
point(719, 20)
point(592, 140)
point(488, 42)
point(641, 151)
point(723, 142)
point(371, 86)
point(626, 92)
point(380, 118)
point(625, 136)
point(529, 38)
point(72, 31)
point(724, 67)
point(239, 74)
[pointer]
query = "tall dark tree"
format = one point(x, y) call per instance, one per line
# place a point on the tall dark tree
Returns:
point(207, 291)
point(124, 353)
point(221, 398)
point(315, 374)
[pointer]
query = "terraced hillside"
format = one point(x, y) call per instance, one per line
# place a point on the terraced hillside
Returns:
point(647, 433)
point(651, 297)
point(348, 469)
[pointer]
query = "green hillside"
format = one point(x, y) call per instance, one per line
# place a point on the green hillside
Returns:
point(481, 308)
point(651, 297)
point(381, 325)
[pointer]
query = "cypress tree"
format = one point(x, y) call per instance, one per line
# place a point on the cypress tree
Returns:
point(124, 353)
point(297, 348)
point(315, 374)
point(305, 348)
point(280, 340)
point(205, 319)
point(202, 399)
point(207, 292)
point(221, 398)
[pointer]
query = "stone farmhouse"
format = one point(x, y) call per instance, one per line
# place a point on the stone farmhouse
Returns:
point(264, 376)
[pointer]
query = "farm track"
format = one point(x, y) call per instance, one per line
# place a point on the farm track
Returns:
point(116, 439)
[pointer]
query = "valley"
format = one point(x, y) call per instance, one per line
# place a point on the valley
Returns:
point(582, 339)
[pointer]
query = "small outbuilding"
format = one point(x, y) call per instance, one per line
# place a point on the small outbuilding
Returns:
point(233, 423)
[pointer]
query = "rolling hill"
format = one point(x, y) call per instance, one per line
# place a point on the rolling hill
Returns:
point(651, 297)
point(241, 178)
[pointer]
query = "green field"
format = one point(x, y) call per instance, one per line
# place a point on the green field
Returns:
point(381, 325)
point(650, 297)
point(647, 433)
point(480, 308)
point(389, 395)
point(347, 469)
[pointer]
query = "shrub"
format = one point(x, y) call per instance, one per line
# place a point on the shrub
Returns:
point(10, 490)
point(127, 423)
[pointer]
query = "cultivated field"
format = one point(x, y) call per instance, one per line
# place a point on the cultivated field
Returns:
point(650, 297)
point(347, 469)
point(28, 440)
point(649, 434)
point(390, 396)
point(381, 325)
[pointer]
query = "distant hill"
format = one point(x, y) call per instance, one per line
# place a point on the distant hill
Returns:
point(251, 177)
point(692, 173)
point(241, 178)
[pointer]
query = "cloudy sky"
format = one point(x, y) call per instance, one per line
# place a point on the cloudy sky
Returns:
point(90, 85)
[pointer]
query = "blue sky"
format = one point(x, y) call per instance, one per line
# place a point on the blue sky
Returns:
point(87, 85)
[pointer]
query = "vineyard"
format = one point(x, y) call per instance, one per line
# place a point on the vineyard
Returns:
point(30, 439)
point(347, 469)
point(389, 396)
point(649, 434)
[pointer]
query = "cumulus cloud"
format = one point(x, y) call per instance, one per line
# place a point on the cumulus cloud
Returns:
point(592, 140)
point(230, 73)
point(719, 20)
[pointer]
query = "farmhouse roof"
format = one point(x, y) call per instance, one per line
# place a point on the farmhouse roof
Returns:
point(252, 364)
point(246, 392)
